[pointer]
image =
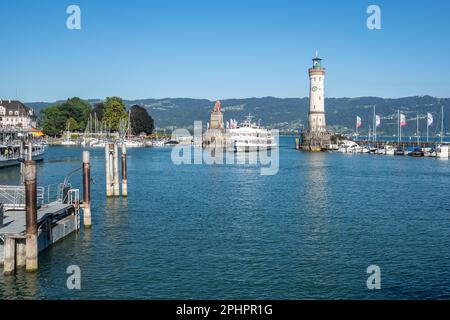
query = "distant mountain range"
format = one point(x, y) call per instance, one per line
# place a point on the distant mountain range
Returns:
point(291, 114)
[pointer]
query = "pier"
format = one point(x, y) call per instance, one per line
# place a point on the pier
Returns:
point(404, 144)
point(33, 218)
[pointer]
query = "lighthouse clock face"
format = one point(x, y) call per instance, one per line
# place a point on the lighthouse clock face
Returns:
point(314, 89)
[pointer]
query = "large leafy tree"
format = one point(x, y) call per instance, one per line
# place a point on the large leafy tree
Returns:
point(72, 124)
point(98, 111)
point(113, 111)
point(77, 109)
point(54, 119)
point(141, 121)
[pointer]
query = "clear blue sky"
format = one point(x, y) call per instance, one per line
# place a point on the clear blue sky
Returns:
point(222, 49)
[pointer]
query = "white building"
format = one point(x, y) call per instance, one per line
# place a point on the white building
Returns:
point(14, 114)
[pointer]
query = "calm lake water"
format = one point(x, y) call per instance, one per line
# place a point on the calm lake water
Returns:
point(226, 232)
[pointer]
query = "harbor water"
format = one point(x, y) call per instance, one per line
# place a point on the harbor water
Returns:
point(228, 232)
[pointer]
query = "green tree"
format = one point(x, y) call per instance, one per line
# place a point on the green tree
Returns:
point(77, 109)
point(53, 121)
point(141, 121)
point(98, 111)
point(72, 124)
point(113, 111)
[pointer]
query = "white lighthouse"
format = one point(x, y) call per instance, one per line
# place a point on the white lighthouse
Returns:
point(317, 137)
point(316, 116)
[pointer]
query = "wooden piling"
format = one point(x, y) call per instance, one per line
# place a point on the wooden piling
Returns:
point(124, 171)
point(30, 151)
point(86, 190)
point(116, 170)
point(9, 265)
point(109, 189)
point(21, 253)
point(31, 216)
point(22, 166)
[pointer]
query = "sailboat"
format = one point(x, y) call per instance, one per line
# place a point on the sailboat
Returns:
point(128, 141)
point(67, 141)
point(443, 149)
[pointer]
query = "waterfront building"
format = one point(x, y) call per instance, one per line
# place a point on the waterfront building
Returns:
point(16, 115)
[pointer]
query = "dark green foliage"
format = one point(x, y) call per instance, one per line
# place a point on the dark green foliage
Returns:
point(141, 121)
point(54, 119)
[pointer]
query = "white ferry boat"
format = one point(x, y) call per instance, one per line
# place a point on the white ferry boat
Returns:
point(249, 136)
point(10, 155)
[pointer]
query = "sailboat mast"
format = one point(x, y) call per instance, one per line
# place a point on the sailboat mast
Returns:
point(442, 124)
point(417, 131)
point(374, 125)
point(127, 126)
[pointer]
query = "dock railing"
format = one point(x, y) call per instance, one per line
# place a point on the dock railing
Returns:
point(13, 197)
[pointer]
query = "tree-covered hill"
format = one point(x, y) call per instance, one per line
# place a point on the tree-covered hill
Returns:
point(291, 113)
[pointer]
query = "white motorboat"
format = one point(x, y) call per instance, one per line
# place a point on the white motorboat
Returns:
point(68, 142)
point(133, 143)
point(348, 146)
point(442, 151)
point(386, 150)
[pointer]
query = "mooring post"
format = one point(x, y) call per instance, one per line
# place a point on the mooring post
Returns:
point(111, 168)
point(22, 155)
point(21, 253)
point(31, 216)
point(116, 170)
point(124, 171)
point(9, 264)
point(108, 171)
point(30, 151)
point(86, 190)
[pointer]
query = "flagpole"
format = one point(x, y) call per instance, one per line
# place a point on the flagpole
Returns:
point(428, 126)
point(398, 128)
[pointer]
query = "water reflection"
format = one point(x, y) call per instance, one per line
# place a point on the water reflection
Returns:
point(316, 173)
point(10, 176)
point(22, 285)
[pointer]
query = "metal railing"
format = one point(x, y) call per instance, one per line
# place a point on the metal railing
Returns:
point(13, 197)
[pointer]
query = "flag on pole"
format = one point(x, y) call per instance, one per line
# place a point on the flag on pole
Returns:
point(358, 122)
point(377, 121)
point(402, 120)
point(429, 119)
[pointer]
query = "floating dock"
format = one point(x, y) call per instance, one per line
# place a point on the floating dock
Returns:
point(33, 218)
point(55, 220)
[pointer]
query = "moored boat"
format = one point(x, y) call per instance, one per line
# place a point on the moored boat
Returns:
point(249, 136)
point(11, 155)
